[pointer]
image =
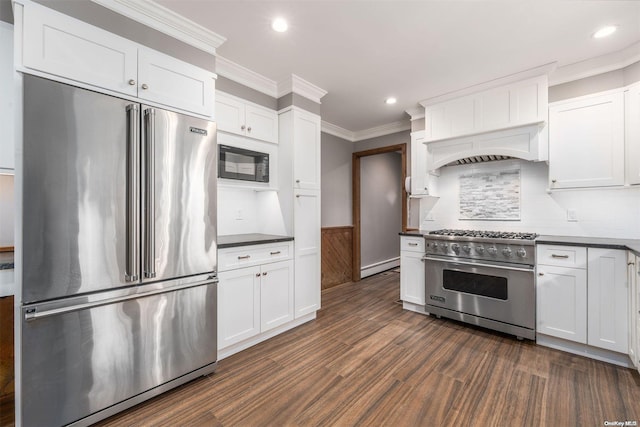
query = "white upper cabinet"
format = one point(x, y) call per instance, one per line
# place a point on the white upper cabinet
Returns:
point(517, 104)
point(632, 133)
point(67, 48)
point(7, 141)
point(586, 141)
point(241, 117)
point(306, 160)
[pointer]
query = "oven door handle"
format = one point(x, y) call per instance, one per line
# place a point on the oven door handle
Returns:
point(477, 264)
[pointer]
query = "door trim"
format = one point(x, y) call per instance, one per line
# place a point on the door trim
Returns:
point(355, 180)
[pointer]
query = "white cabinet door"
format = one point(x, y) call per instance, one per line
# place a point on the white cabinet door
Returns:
point(586, 141)
point(632, 133)
point(412, 277)
point(7, 105)
point(306, 161)
point(608, 297)
point(175, 83)
point(63, 46)
point(229, 114)
point(419, 164)
point(632, 279)
point(306, 212)
point(238, 305)
point(261, 123)
point(561, 301)
point(276, 290)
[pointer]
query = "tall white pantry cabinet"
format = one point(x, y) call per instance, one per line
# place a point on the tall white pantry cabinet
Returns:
point(300, 197)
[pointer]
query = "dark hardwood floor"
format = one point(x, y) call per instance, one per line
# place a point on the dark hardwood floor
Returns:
point(367, 362)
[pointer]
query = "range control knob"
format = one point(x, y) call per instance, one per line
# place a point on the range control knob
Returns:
point(521, 253)
point(455, 247)
point(466, 248)
point(480, 249)
point(434, 245)
point(507, 252)
point(492, 250)
point(444, 247)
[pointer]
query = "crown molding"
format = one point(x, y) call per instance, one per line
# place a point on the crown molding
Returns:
point(246, 77)
point(300, 86)
point(336, 130)
point(377, 131)
point(415, 113)
point(160, 18)
point(594, 66)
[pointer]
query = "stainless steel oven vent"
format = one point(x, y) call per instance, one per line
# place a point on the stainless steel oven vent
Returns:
point(478, 159)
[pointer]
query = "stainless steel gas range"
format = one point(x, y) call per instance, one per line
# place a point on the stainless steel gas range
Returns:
point(485, 278)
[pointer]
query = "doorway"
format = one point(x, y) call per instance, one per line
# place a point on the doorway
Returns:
point(357, 160)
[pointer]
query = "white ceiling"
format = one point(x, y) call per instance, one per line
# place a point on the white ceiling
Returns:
point(364, 51)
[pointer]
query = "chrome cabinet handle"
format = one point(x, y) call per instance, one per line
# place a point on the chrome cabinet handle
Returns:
point(559, 256)
point(540, 274)
point(257, 274)
point(413, 244)
point(132, 82)
point(275, 253)
point(297, 181)
point(243, 127)
point(150, 197)
point(244, 257)
point(264, 274)
point(145, 86)
point(132, 272)
point(553, 181)
point(249, 129)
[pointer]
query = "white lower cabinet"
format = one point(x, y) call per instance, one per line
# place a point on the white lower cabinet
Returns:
point(562, 302)
point(412, 270)
point(253, 299)
point(583, 302)
point(306, 229)
point(608, 295)
point(633, 277)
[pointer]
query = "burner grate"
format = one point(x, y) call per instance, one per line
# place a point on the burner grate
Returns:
point(485, 234)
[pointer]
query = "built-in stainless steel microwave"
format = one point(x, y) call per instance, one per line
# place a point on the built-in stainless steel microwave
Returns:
point(246, 165)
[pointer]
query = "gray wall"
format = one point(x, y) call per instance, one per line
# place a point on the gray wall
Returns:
point(598, 83)
point(113, 22)
point(403, 137)
point(336, 194)
point(381, 207)
point(6, 11)
point(237, 89)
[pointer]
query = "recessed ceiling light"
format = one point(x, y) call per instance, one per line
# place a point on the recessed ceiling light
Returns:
point(279, 25)
point(390, 100)
point(605, 31)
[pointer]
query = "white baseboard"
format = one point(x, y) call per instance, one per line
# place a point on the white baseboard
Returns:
point(414, 307)
point(378, 267)
point(250, 342)
point(585, 350)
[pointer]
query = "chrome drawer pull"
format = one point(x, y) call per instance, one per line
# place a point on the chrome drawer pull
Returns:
point(559, 256)
point(244, 257)
point(275, 253)
point(413, 244)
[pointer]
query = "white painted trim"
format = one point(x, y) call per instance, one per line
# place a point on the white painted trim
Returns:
point(246, 77)
point(414, 307)
point(378, 267)
point(545, 69)
point(160, 18)
point(416, 113)
point(300, 86)
point(250, 342)
point(298, 109)
point(382, 130)
point(585, 350)
point(594, 66)
point(336, 130)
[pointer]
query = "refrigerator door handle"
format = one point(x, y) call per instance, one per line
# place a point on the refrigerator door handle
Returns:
point(32, 313)
point(132, 273)
point(150, 228)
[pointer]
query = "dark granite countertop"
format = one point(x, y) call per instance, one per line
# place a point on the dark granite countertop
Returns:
point(414, 233)
point(593, 242)
point(234, 240)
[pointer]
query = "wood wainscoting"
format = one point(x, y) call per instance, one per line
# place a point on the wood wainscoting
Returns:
point(337, 255)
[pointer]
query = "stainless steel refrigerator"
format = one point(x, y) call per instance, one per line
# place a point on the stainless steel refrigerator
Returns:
point(119, 253)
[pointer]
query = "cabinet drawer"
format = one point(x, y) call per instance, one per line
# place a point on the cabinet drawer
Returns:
point(244, 256)
point(412, 244)
point(562, 256)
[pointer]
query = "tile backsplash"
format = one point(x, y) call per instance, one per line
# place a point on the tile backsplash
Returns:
point(491, 195)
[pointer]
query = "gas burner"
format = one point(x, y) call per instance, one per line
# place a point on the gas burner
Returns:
point(485, 234)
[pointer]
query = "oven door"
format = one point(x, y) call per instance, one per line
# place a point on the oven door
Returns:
point(500, 292)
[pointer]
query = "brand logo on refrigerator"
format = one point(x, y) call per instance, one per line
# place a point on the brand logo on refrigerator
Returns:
point(437, 298)
point(198, 130)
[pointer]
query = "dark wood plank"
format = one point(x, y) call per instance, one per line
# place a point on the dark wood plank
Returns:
point(337, 256)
